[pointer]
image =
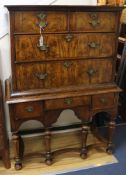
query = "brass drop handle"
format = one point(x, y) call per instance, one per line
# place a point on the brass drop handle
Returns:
point(93, 44)
point(43, 47)
point(29, 109)
point(69, 37)
point(94, 22)
point(67, 64)
point(103, 100)
point(68, 101)
point(41, 76)
point(17, 119)
point(41, 15)
point(91, 72)
point(94, 19)
point(93, 15)
point(42, 20)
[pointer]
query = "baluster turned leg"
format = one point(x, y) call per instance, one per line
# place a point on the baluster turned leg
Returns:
point(111, 129)
point(16, 143)
point(48, 155)
point(83, 153)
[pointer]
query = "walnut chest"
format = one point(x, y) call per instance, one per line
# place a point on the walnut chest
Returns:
point(62, 57)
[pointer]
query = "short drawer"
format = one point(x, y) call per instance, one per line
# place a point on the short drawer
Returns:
point(29, 21)
point(28, 110)
point(67, 102)
point(103, 100)
point(93, 21)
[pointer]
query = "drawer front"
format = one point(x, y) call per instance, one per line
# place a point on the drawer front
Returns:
point(103, 101)
point(67, 102)
point(64, 46)
point(49, 21)
point(28, 110)
point(63, 74)
point(93, 21)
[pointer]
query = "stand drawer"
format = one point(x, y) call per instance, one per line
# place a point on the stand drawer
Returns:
point(28, 110)
point(102, 101)
point(67, 102)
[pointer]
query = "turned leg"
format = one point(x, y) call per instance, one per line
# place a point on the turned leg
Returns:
point(83, 153)
point(21, 148)
point(111, 129)
point(48, 154)
point(16, 146)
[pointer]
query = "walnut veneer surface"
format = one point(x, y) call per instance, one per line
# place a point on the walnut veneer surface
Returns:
point(62, 57)
point(4, 149)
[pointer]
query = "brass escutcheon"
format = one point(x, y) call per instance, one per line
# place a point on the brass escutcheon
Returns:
point(93, 15)
point(69, 37)
point(68, 101)
point(103, 100)
point(93, 44)
point(29, 109)
point(41, 76)
point(67, 64)
point(91, 72)
point(94, 22)
point(42, 20)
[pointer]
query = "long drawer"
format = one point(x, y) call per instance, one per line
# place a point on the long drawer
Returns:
point(63, 73)
point(62, 21)
point(64, 46)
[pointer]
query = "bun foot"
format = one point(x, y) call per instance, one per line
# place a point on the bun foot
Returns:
point(109, 150)
point(48, 162)
point(83, 155)
point(18, 166)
